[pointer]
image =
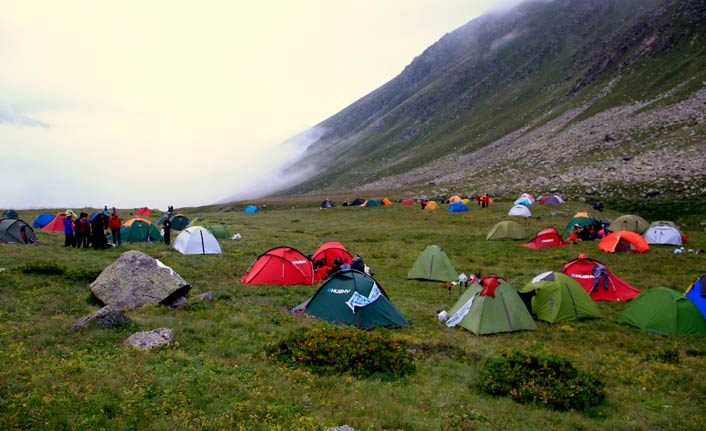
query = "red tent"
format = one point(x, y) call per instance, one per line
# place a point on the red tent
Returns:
point(547, 238)
point(57, 224)
point(581, 270)
point(408, 202)
point(143, 211)
point(623, 240)
point(330, 251)
point(281, 265)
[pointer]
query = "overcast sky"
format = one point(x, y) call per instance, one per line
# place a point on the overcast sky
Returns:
point(138, 102)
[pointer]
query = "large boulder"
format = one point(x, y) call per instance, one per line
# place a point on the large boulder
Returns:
point(136, 279)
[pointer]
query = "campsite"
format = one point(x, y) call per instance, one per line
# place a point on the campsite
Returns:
point(216, 374)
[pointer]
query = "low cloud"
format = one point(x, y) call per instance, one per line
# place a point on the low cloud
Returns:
point(9, 116)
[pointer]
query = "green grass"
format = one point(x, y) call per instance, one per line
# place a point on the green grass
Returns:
point(216, 374)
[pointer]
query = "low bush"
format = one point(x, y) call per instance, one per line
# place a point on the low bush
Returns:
point(547, 381)
point(83, 274)
point(43, 268)
point(344, 350)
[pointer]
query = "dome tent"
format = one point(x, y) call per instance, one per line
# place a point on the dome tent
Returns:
point(519, 211)
point(138, 230)
point(558, 297)
point(16, 231)
point(42, 220)
point(629, 222)
point(581, 269)
point(696, 293)
point(507, 229)
point(353, 298)
point(664, 311)
point(280, 265)
point(196, 240)
point(432, 264)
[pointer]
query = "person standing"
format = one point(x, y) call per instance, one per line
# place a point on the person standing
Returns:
point(69, 231)
point(85, 227)
point(167, 227)
point(98, 225)
point(114, 223)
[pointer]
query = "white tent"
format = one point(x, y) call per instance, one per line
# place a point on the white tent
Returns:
point(665, 235)
point(519, 210)
point(197, 240)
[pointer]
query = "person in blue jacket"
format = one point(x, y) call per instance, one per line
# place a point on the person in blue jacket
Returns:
point(69, 231)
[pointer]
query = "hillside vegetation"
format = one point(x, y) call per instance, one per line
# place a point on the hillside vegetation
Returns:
point(589, 97)
point(217, 375)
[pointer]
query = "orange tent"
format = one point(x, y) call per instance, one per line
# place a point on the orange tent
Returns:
point(431, 205)
point(581, 214)
point(623, 240)
point(455, 198)
point(132, 220)
point(387, 201)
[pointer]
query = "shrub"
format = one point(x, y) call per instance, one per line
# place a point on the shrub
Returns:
point(44, 268)
point(547, 381)
point(83, 274)
point(343, 350)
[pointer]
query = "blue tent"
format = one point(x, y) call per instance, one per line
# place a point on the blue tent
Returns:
point(457, 207)
point(697, 294)
point(42, 219)
point(523, 201)
point(250, 209)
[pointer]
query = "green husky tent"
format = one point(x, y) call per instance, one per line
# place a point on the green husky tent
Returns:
point(353, 298)
point(482, 313)
point(432, 264)
point(664, 311)
point(559, 297)
point(139, 230)
point(507, 229)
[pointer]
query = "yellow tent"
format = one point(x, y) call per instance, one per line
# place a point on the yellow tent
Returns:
point(455, 198)
point(387, 201)
point(132, 220)
point(431, 205)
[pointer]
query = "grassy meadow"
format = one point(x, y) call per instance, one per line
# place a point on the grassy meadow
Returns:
point(216, 375)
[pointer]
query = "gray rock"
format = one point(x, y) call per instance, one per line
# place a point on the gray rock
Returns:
point(136, 279)
point(109, 316)
point(150, 339)
point(341, 428)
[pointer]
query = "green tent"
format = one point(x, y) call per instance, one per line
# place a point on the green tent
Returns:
point(630, 223)
point(139, 231)
point(484, 314)
point(507, 229)
point(10, 214)
point(218, 230)
point(581, 221)
point(664, 311)
point(16, 231)
point(559, 297)
point(353, 298)
point(432, 264)
point(372, 203)
point(179, 221)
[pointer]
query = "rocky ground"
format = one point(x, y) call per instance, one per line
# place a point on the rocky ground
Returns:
point(644, 149)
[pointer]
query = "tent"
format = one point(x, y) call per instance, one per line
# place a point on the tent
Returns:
point(507, 229)
point(483, 313)
point(16, 231)
point(179, 221)
point(218, 230)
point(551, 200)
point(196, 240)
point(582, 221)
point(408, 202)
point(525, 199)
point(327, 203)
point(281, 265)
point(250, 209)
point(623, 240)
point(371, 203)
point(386, 201)
point(663, 235)
point(548, 237)
point(664, 311)
point(353, 298)
point(630, 223)
point(696, 293)
point(455, 198)
point(457, 207)
point(42, 220)
point(10, 214)
point(558, 297)
point(143, 211)
point(330, 251)
point(56, 224)
point(432, 264)
point(519, 211)
point(357, 202)
point(138, 230)
point(581, 269)
point(431, 205)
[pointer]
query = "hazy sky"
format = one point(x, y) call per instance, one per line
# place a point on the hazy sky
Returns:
point(138, 102)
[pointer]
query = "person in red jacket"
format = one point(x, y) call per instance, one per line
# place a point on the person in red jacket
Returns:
point(114, 223)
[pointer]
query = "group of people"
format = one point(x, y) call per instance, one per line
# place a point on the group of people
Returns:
point(324, 270)
point(588, 233)
point(85, 232)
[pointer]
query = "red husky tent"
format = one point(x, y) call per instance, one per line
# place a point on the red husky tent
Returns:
point(57, 224)
point(581, 270)
point(281, 265)
point(547, 238)
point(330, 251)
point(623, 240)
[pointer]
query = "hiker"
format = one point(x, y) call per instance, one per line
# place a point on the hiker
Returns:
point(68, 231)
point(574, 234)
point(84, 226)
point(598, 271)
point(345, 266)
point(167, 226)
point(598, 206)
point(170, 209)
point(357, 263)
point(114, 223)
point(98, 225)
point(586, 233)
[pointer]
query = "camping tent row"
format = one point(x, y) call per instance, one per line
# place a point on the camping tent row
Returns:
point(371, 202)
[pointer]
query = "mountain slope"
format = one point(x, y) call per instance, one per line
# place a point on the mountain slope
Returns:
point(505, 99)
